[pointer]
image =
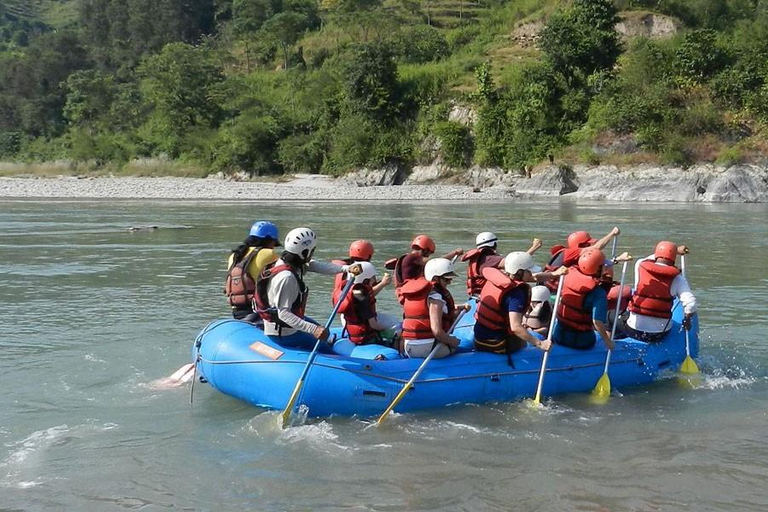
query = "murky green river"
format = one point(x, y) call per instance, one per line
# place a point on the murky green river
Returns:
point(93, 315)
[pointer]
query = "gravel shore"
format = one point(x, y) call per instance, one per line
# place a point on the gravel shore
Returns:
point(302, 188)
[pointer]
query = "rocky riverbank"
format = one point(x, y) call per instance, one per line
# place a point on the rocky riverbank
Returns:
point(703, 183)
point(312, 188)
point(700, 183)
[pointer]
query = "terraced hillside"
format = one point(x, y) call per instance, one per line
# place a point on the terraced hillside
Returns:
point(55, 13)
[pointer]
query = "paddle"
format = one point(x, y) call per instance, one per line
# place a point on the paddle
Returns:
point(603, 387)
point(285, 415)
point(537, 399)
point(613, 247)
point(410, 382)
point(689, 366)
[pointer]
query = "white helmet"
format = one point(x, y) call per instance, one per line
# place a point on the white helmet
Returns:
point(301, 242)
point(486, 239)
point(368, 272)
point(519, 261)
point(438, 267)
point(540, 293)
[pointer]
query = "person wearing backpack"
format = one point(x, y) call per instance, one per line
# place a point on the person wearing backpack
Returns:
point(244, 266)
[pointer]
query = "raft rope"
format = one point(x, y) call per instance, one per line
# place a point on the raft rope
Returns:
point(440, 379)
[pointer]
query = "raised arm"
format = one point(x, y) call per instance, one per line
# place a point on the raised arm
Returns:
point(603, 242)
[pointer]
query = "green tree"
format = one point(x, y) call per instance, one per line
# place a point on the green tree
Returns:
point(283, 30)
point(371, 82)
point(581, 39)
point(181, 86)
point(699, 56)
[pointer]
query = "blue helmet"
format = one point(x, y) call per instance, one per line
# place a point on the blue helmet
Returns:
point(264, 229)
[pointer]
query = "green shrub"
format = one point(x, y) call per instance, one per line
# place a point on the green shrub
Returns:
point(698, 118)
point(675, 152)
point(425, 85)
point(460, 37)
point(248, 143)
point(456, 144)
point(421, 44)
point(301, 153)
point(10, 143)
point(730, 156)
point(700, 56)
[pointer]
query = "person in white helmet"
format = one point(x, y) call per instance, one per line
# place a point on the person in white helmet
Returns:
point(429, 311)
point(363, 324)
point(486, 255)
point(282, 295)
point(504, 300)
point(539, 315)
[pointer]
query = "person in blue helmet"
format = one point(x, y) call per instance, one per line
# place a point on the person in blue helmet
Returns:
point(244, 266)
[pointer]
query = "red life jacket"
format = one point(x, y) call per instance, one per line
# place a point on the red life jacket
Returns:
point(261, 298)
point(476, 259)
point(490, 313)
point(239, 285)
point(571, 311)
point(339, 281)
point(652, 296)
point(359, 330)
point(555, 262)
point(415, 293)
point(396, 264)
point(561, 256)
point(613, 297)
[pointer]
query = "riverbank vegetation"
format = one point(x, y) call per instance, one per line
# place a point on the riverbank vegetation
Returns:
point(274, 86)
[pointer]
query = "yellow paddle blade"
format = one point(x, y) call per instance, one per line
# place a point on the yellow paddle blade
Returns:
point(602, 389)
point(533, 403)
point(689, 366)
point(286, 414)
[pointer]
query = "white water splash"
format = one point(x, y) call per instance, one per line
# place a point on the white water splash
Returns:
point(723, 382)
point(27, 455)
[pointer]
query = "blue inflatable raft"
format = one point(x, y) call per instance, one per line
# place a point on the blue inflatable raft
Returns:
point(237, 359)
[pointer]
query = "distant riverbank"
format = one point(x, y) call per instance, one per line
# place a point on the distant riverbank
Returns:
point(702, 183)
point(301, 188)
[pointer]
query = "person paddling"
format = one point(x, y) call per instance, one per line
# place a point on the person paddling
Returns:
point(411, 265)
point(429, 310)
point(245, 264)
point(486, 255)
point(504, 300)
point(577, 243)
point(362, 323)
point(583, 305)
point(359, 251)
point(281, 294)
point(657, 282)
point(616, 296)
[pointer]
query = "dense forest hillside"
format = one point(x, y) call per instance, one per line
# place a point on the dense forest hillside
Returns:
point(273, 86)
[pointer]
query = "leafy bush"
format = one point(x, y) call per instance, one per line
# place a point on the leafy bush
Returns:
point(371, 82)
point(700, 56)
point(456, 143)
point(581, 39)
point(248, 143)
point(301, 153)
point(522, 123)
point(421, 44)
point(675, 152)
point(730, 156)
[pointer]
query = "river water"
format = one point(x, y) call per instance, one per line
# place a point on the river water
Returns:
point(93, 315)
